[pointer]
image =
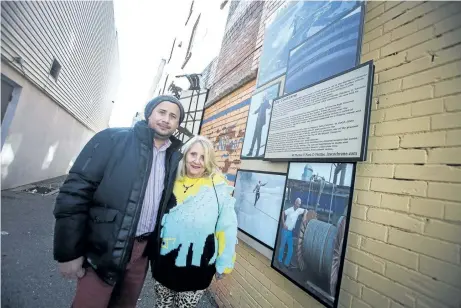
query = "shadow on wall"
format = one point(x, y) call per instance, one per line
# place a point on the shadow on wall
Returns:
point(40, 139)
point(9, 149)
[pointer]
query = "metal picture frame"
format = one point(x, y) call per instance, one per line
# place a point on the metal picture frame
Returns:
point(366, 121)
point(358, 53)
point(259, 91)
point(297, 25)
point(245, 230)
point(309, 276)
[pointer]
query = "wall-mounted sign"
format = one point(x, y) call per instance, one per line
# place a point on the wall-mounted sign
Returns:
point(328, 121)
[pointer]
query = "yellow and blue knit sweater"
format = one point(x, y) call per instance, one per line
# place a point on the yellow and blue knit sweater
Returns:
point(198, 234)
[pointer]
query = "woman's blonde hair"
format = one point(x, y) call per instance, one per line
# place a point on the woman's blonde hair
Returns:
point(211, 167)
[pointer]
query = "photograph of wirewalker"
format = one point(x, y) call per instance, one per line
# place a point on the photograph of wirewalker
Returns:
point(259, 197)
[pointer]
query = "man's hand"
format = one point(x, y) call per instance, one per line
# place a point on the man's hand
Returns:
point(305, 216)
point(72, 269)
point(285, 226)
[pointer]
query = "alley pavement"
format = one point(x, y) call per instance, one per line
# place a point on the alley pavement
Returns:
point(29, 274)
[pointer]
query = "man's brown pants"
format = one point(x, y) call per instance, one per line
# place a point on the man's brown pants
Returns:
point(92, 292)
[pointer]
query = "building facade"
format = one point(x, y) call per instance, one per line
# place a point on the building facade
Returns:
point(59, 76)
point(189, 68)
point(195, 45)
point(404, 244)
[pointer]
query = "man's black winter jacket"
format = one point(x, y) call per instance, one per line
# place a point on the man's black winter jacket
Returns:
point(99, 205)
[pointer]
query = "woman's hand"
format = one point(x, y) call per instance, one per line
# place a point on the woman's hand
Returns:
point(220, 276)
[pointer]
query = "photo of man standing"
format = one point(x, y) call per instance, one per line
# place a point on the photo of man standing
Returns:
point(261, 113)
point(289, 218)
point(254, 143)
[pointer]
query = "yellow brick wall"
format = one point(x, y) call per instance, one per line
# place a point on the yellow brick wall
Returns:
point(404, 245)
point(405, 232)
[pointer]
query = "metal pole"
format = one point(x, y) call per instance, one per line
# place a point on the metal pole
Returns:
point(195, 110)
point(321, 187)
point(331, 202)
point(331, 170)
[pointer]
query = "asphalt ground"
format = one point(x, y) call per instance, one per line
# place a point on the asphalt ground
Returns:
point(29, 276)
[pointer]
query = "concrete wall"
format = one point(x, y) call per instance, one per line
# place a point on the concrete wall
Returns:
point(404, 244)
point(42, 139)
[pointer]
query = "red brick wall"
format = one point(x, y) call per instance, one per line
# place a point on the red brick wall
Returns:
point(228, 129)
point(235, 61)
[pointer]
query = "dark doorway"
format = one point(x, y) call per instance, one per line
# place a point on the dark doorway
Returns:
point(7, 95)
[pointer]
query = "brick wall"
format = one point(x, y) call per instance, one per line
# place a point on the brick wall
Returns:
point(405, 233)
point(235, 59)
point(404, 245)
point(224, 123)
point(206, 79)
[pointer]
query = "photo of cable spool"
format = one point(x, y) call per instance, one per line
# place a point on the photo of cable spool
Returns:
point(319, 250)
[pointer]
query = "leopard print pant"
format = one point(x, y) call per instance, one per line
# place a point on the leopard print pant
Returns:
point(166, 298)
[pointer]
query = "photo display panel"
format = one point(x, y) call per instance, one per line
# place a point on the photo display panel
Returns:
point(328, 121)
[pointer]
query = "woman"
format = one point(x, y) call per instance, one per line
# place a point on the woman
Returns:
point(198, 231)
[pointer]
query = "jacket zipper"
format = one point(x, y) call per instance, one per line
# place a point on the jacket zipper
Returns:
point(139, 208)
point(88, 160)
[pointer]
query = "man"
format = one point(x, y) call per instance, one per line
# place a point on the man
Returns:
point(289, 219)
point(257, 189)
point(260, 122)
point(111, 202)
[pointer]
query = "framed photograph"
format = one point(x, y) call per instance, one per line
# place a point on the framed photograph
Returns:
point(254, 143)
point(259, 198)
point(292, 24)
point(332, 50)
point(313, 227)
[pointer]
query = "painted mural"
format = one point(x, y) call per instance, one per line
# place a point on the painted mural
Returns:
point(224, 124)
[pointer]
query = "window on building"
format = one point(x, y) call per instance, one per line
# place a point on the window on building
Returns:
point(7, 95)
point(190, 11)
point(55, 69)
point(164, 85)
point(191, 42)
point(171, 52)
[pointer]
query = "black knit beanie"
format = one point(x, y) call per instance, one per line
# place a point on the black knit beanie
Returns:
point(163, 98)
